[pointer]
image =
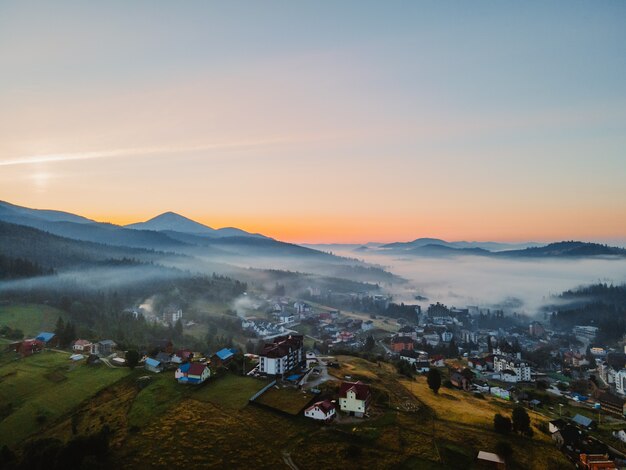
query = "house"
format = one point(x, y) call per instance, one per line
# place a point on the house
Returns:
point(182, 355)
point(477, 363)
point(490, 460)
point(192, 373)
point(596, 462)
point(164, 358)
point(500, 393)
point(437, 361)
point(172, 314)
point(153, 365)
point(422, 366)
point(29, 346)
point(286, 318)
point(621, 435)
point(567, 436)
point(49, 339)
point(223, 357)
point(367, 325)
point(322, 411)
point(584, 422)
point(400, 343)
point(283, 355)
point(612, 403)
point(354, 398)
point(104, 347)
point(508, 376)
point(458, 380)
point(555, 425)
point(407, 331)
point(82, 346)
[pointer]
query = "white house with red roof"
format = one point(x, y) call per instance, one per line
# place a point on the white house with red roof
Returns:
point(354, 398)
point(82, 346)
point(192, 373)
point(322, 411)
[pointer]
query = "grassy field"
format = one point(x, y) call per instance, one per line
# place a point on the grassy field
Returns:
point(42, 388)
point(168, 425)
point(287, 399)
point(229, 391)
point(31, 319)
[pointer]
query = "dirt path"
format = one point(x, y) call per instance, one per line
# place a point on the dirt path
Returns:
point(288, 461)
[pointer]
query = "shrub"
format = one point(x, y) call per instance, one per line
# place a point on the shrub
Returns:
point(501, 424)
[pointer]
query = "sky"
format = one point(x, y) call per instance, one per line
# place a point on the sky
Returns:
point(321, 121)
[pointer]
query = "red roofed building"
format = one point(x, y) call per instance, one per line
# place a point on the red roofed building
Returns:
point(354, 398)
point(283, 355)
point(322, 411)
point(29, 346)
point(401, 343)
point(82, 346)
point(597, 462)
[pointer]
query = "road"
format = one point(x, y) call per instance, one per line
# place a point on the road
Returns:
point(322, 377)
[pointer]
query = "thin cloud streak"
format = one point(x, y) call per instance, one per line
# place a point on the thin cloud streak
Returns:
point(102, 154)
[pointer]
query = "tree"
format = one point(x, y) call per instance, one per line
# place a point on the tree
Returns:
point(434, 380)
point(132, 358)
point(521, 421)
point(369, 343)
point(178, 328)
point(405, 368)
point(504, 450)
point(59, 328)
point(501, 424)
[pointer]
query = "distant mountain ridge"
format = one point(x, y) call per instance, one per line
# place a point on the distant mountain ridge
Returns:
point(168, 232)
point(491, 246)
point(565, 249)
point(171, 221)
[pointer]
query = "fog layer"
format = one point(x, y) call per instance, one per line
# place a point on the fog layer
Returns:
point(519, 285)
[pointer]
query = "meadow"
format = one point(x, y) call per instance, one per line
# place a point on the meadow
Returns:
point(30, 318)
point(158, 423)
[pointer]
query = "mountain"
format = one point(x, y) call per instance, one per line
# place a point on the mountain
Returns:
point(567, 249)
point(170, 221)
point(445, 250)
point(79, 228)
point(8, 210)
point(53, 251)
point(491, 246)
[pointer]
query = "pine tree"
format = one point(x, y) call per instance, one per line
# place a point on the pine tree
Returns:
point(434, 380)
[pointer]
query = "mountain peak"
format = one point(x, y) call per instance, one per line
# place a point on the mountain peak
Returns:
point(173, 221)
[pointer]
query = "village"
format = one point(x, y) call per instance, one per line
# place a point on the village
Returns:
point(577, 384)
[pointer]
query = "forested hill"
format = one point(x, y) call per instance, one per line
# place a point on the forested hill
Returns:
point(600, 305)
point(566, 249)
point(51, 251)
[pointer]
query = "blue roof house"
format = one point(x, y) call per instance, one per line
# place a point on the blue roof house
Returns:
point(584, 422)
point(45, 336)
point(223, 356)
point(153, 365)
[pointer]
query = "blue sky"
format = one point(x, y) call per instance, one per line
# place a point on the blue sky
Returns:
point(324, 120)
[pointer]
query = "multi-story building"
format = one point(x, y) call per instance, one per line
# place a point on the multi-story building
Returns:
point(521, 368)
point(585, 332)
point(282, 356)
point(620, 381)
point(536, 329)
